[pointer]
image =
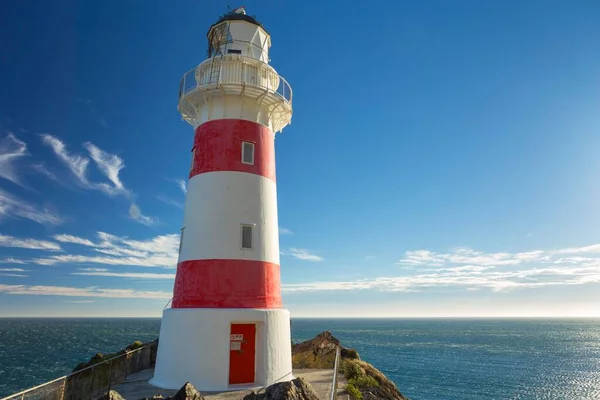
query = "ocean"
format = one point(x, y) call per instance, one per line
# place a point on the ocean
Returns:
point(426, 358)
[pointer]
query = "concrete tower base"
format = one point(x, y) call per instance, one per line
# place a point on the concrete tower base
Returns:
point(197, 344)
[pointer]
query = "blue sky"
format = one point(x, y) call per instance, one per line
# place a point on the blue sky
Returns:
point(442, 160)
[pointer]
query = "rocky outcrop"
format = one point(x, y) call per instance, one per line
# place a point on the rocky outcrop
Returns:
point(112, 395)
point(187, 392)
point(297, 389)
point(315, 353)
point(364, 381)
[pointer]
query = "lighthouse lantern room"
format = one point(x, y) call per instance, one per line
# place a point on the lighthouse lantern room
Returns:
point(226, 328)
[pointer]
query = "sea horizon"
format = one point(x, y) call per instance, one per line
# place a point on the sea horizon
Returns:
point(450, 358)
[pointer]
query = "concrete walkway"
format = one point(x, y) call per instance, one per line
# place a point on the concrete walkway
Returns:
point(136, 386)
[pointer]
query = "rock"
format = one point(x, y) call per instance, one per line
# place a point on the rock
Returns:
point(112, 395)
point(297, 389)
point(324, 343)
point(315, 353)
point(349, 354)
point(320, 352)
point(187, 392)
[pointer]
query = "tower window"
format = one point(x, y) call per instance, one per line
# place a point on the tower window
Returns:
point(247, 231)
point(247, 153)
point(234, 51)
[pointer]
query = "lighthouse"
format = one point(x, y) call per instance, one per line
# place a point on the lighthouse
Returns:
point(226, 328)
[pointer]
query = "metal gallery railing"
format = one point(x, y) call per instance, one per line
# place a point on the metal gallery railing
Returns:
point(92, 382)
point(235, 70)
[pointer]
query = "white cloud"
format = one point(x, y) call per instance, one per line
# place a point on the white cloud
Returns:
point(43, 169)
point(14, 275)
point(81, 292)
point(73, 239)
point(182, 185)
point(11, 241)
point(12, 206)
point(284, 231)
point(11, 149)
point(465, 255)
point(12, 270)
point(467, 269)
point(110, 165)
point(10, 260)
point(136, 214)
point(169, 201)
point(139, 275)
point(303, 254)
point(77, 164)
point(160, 251)
point(93, 269)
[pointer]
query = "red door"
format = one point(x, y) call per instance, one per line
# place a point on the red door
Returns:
point(242, 347)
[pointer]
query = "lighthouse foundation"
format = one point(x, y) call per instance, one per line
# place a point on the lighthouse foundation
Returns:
point(219, 349)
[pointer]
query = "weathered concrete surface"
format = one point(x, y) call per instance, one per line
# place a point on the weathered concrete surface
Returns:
point(341, 393)
point(319, 379)
point(136, 386)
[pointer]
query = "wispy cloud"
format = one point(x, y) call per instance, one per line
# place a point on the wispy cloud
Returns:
point(73, 239)
point(136, 214)
point(92, 269)
point(14, 275)
point(12, 206)
point(169, 201)
point(476, 270)
point(285, 231)
point(11, 241)
point(303, 254)
point(12, 270)
point(160, 251)
point(81, 292)
point(182, 185)
point(77, 164)
point(11, 149)
point(138, 275)
point(12, 261)
point(43, 169)
point(464, 255)
point(110, 165)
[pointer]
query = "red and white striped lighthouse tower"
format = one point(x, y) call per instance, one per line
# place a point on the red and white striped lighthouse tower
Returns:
point(226, 328)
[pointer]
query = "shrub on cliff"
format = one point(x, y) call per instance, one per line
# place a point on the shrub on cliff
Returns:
point(368, 381)
point(354, 392)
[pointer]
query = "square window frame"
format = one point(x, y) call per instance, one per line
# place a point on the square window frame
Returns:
point(252, 229)
point(253, 152)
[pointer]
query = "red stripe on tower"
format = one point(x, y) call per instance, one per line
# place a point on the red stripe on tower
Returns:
point(227, 284)
point(218, 146)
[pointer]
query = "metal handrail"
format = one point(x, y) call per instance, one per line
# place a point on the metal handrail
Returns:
point(65, 377)
point(24, 392)
point(335, 373)
point(242, 70)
